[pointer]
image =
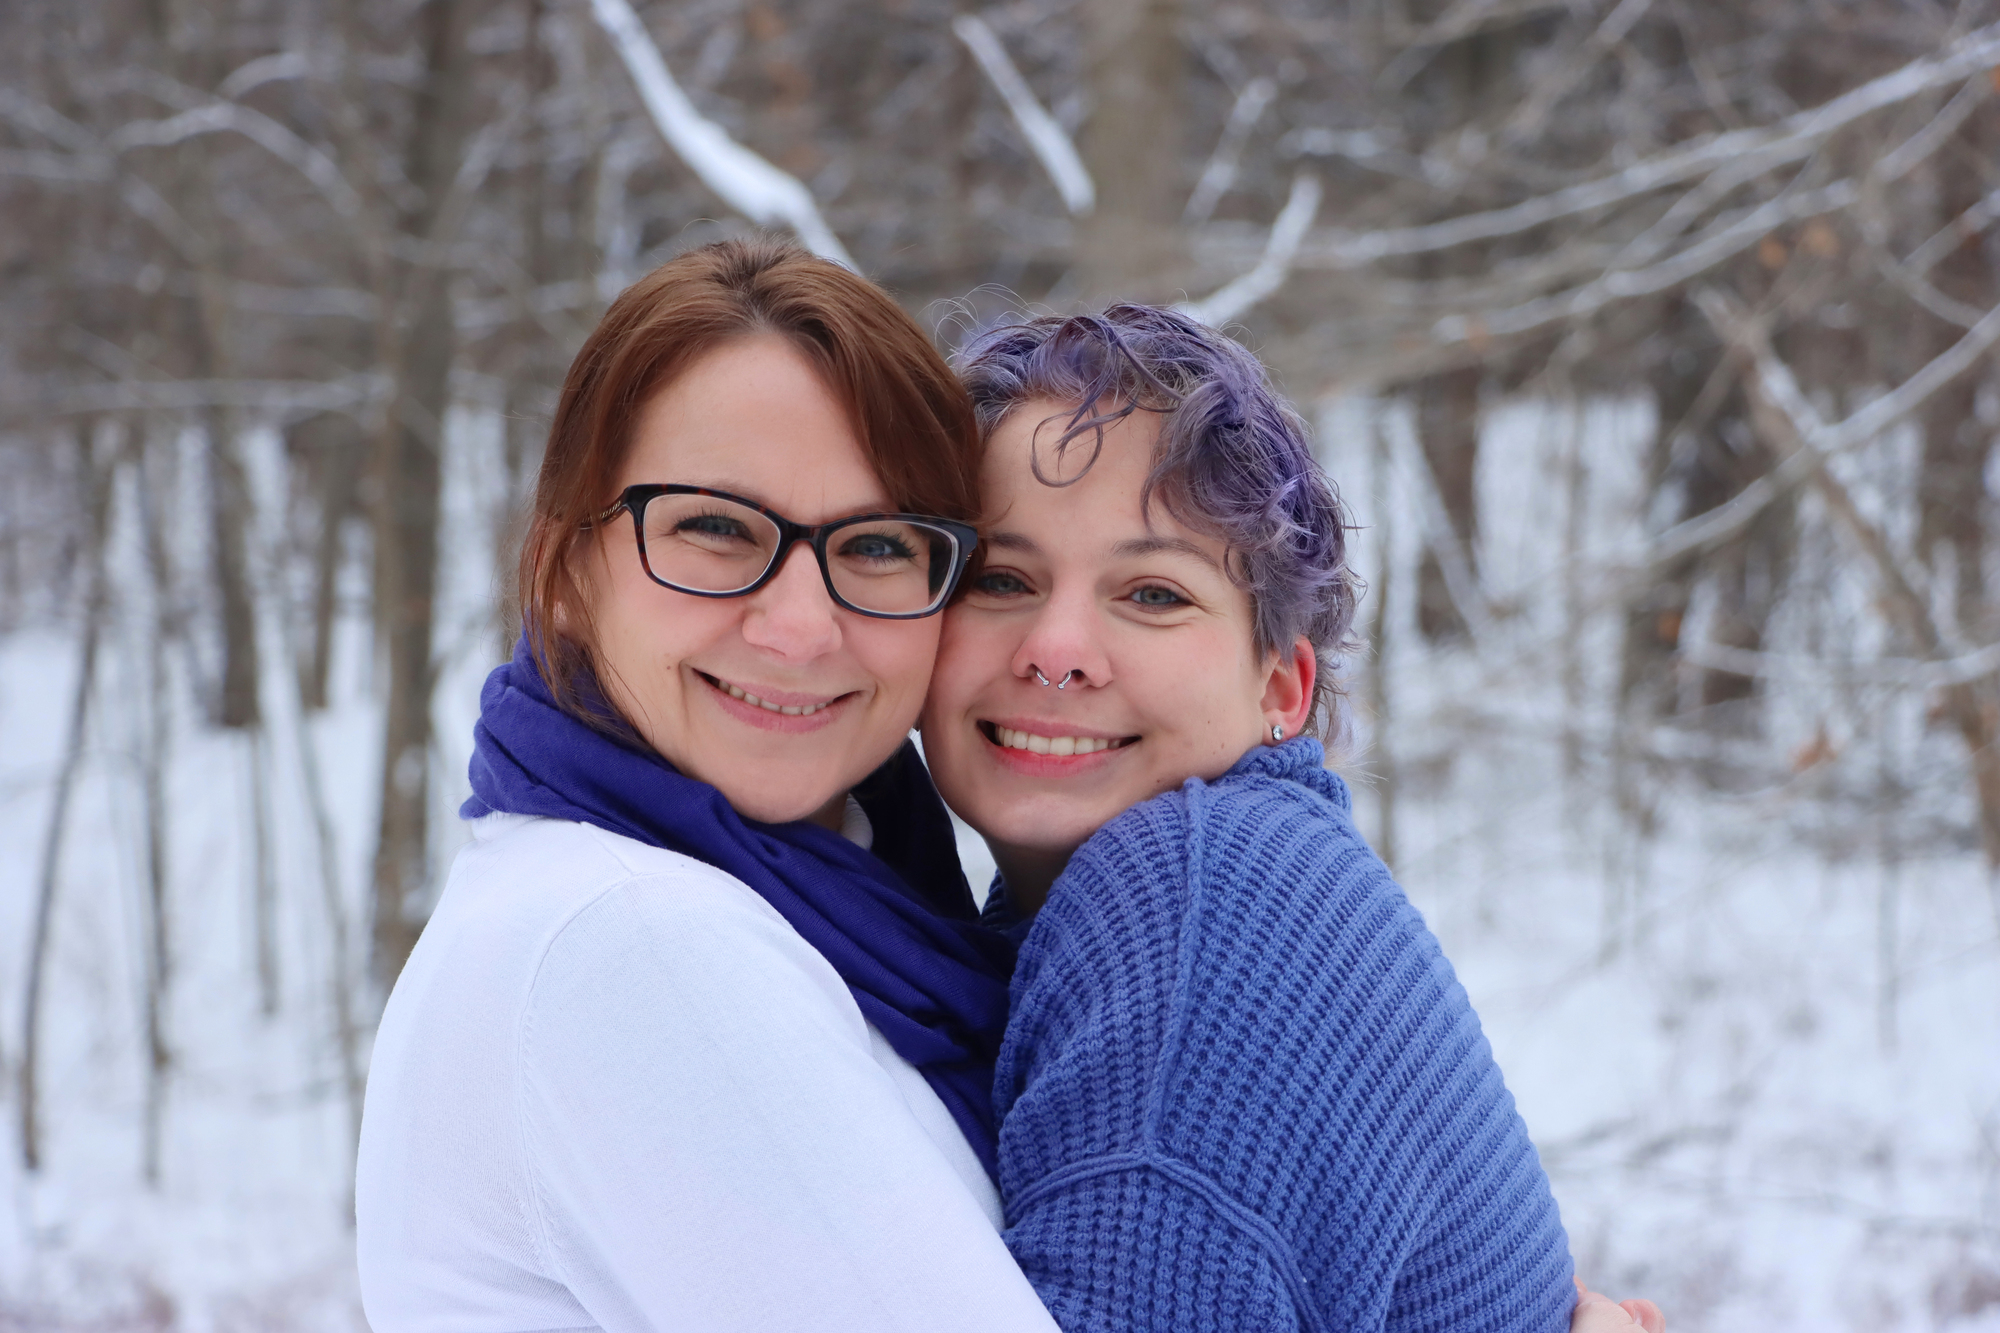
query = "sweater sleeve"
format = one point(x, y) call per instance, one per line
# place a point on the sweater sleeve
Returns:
point(1242, 1085)
point(1131, 1247)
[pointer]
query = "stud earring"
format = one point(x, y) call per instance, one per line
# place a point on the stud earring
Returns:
point(1277, 733)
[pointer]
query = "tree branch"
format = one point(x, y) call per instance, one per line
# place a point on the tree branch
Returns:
point(746, 182)
point(1231, 301)
point(1789, 140)
point(1049, 141)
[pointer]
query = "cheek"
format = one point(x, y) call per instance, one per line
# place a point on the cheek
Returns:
point(644, 631)
point(977, 648)
point(898, 654)
point(1205, 697)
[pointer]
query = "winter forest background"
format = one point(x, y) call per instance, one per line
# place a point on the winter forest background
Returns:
point(1652, 343)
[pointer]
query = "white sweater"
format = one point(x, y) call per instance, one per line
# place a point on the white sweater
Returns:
point(614, 1090)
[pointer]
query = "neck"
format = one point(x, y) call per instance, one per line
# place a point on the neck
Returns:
point(1029, 873)
point(829, 815)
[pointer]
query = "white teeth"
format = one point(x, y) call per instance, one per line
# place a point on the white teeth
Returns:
point(789, 710)
point(1057, 745)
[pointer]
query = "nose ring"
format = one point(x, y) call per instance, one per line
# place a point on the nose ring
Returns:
point(1060, 684)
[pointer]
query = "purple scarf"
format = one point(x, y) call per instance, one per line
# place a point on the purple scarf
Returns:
point(897, 924)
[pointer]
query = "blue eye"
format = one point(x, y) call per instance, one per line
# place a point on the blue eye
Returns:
point(999, 583)
point(712, 525)
point(1155, 596)
point(877, 546)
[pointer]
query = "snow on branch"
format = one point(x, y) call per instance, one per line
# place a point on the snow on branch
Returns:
point(1913, 673)
point(266, 69)
point(1232, 300)
point(29, 401)
point(1051, 144)
point(746, 182)
point(45, 120)
point(1728, 237)
point(1954, 234)
point(1794, 427)
point(1789, 140)
point(1820, 442)
point(260, 129)
point(1550, 88)
point(1220, 173)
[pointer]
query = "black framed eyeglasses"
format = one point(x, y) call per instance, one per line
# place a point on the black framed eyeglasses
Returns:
point(713, 544)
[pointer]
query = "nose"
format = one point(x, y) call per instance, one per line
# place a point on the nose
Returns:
point(1065, 636)
point(792, 617)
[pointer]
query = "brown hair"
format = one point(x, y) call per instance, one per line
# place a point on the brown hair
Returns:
point(914, 421)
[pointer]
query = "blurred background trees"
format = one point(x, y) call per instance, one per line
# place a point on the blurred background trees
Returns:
point(313, 234)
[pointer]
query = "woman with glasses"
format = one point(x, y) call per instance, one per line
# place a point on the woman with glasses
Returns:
point(700, 1035)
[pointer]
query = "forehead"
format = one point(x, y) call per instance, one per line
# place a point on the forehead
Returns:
point(754, 418)
point(1098, 512)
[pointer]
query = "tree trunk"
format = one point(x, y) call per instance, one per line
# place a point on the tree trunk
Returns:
point(329, 450)
point(410, 477)
point(1128, 247)
point(1951, 488)
point(229, 514)
point(153, 769)
point(264, 882)
point(1463, 84)
point(1704, 453)
point(96, 479)
point(535, 368)
point(188, 31)
point(1448, 430)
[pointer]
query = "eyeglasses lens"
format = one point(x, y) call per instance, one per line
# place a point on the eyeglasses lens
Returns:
point(706, 544)
point(889, 565)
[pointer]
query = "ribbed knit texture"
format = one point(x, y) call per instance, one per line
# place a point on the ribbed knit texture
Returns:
point(1242, 1089)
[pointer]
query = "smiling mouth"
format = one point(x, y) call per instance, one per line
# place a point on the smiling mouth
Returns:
point(1008, 738)
point(788, 710)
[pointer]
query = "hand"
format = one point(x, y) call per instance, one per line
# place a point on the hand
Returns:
point(1597, 1313)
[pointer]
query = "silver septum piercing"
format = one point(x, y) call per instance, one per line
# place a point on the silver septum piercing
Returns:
point(1060, 684)
point(1277, 732)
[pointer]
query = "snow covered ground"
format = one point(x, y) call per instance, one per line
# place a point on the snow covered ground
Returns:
point(1758, 1042)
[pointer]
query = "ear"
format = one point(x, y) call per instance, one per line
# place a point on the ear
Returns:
point(1288, 688)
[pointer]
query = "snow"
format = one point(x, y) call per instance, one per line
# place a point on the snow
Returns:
point(1759, 1045)
point(1235, 298)
point(1045, 135)
point(745, 181)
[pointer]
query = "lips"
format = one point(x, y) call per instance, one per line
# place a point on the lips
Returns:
point(1035, 749)
point(775, 710)
point(795, 708)
point(1062, 743)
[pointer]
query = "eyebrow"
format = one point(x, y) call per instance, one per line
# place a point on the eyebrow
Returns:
point(1131, 548)
point(1139, 546)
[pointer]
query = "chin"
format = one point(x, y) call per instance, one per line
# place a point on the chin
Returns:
point(775, 813)
point(1041, 825)
point(756, 797)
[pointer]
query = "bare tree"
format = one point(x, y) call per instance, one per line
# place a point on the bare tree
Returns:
point(422, 342)
point(93, 477)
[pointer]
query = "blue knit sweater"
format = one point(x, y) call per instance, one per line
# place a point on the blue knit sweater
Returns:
point(1242, 1089)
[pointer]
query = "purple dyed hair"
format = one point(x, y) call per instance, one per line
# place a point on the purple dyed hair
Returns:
point(1232, 458)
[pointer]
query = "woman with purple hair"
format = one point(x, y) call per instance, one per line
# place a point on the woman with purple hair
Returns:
point(1241, 1087)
